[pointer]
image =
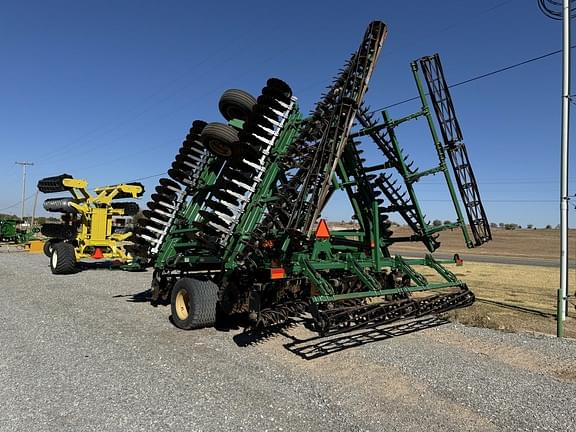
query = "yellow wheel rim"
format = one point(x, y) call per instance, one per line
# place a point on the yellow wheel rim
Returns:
point(182, 310)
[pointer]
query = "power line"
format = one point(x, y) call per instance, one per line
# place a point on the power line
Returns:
point(18, 203)
point(478, 77)
point(499, 183)
point(553, 8)
point(147, 177)
point(496, 201)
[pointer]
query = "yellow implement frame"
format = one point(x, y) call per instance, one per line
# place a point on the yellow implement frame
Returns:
point(94, 218)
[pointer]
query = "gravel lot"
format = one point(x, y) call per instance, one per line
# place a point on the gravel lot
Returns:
point(78, 353)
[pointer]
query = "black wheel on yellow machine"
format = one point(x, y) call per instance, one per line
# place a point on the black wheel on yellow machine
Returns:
point(219, 139)
point(48, 245)
point(236, 104)
point(63, 259)
point(193, 303)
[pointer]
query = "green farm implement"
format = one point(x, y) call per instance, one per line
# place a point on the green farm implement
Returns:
point(86, 227)
point(236, 230)
point(9, 232)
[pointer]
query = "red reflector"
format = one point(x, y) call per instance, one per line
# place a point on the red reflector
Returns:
point(277, 273)
point(322, 232)
point(459, 261)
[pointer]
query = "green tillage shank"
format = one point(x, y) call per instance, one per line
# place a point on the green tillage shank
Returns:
point(310, 265)
point(357, 264)
point(390, 124)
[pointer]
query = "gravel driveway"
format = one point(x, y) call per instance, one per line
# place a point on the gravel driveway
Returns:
point(78, 353)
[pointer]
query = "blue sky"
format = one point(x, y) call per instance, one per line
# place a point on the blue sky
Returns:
point(106, 90)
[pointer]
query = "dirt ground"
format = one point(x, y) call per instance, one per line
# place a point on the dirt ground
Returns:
point(539, 243)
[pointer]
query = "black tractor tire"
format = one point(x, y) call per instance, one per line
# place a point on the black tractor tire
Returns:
point(193, 303)
point(236, 104)
point(63, 259)
point(219, 139)
point(130, 208)
point(47, 248)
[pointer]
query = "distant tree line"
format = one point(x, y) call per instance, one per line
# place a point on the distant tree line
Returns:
point(513, 226)
point(39, 219)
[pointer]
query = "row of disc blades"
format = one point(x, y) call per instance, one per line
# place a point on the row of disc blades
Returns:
point(236, 182)
point(171, 193)
point(242, 173)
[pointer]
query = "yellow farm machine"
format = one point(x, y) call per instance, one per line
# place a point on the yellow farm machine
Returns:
point(86, 228)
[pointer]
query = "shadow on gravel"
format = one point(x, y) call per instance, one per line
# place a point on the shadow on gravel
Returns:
point(254, 337)
point(320, 346)
point(141, 297)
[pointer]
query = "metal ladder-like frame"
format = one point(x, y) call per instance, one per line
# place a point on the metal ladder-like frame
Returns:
point(455, 148)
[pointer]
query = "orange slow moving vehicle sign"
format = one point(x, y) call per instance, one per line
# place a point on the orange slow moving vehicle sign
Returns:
point(322, 232)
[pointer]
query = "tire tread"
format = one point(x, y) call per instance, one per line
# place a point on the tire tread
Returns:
point(66, 259)
point(203, 295)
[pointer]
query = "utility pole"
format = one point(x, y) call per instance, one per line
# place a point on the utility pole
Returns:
point(34, 209)
point(550, 9)
point(24, 165)
point(563, 294)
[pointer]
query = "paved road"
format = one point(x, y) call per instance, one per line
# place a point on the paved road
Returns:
point(496, 259)
point(78, 354)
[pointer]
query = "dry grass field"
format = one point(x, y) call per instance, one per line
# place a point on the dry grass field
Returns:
point(539, 243)
point(510, 297)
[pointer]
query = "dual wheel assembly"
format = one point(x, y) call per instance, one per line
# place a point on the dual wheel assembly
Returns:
point(224, 140)
point(219, 138)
